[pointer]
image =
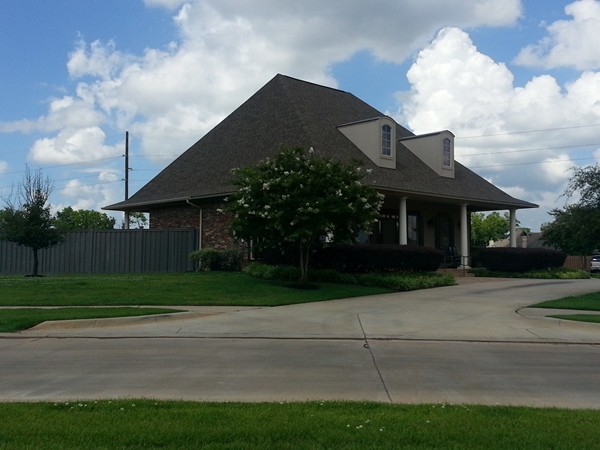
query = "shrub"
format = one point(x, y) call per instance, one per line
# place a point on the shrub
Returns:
point(520, 259)
point(378, 258)
point(543, 274)
point(269, 272)
point(209, 259)
point(394, 281)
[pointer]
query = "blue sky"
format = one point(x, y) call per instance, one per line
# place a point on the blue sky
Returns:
point(518, 82)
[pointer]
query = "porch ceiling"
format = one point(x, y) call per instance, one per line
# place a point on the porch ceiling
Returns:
point(474, 204)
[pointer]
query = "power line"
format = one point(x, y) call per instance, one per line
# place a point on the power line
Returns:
point(528, 131)
point(79, 186)
point(67, 164)
point(532, 163)
point(534, 149)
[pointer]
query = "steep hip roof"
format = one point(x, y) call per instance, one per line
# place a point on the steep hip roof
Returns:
point(287, 112)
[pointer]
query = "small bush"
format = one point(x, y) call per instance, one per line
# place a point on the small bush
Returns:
point(269, 272)
point(210, 259)
point(394, 281)
point(520, 259)
point(543, 274)
point(406, 281)
point(378, 258)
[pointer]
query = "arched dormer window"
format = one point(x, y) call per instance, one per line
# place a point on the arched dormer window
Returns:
point(447, 153)
point(386, 140)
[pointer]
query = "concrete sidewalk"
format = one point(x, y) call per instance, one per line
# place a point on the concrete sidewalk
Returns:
point(471, 343)
point(490, 310)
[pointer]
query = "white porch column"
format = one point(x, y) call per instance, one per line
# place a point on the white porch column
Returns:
point(403, 221)
point(464, 235)
point(513, 228)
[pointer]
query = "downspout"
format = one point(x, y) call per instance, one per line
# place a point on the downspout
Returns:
point(189, 202)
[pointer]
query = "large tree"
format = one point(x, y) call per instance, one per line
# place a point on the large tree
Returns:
point(27, 219)
point(70, 219)
point(297, 198)
point(576, 227)
point(575, 230)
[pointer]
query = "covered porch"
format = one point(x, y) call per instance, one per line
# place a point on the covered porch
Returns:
point(440, 223)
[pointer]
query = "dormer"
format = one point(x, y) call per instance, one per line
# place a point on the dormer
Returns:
point(375, 137)
point(434, 149)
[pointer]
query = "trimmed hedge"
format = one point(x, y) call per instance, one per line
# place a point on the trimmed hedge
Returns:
point(209, 259)
point(378, 258)
point(520, 259)
point(394, 281)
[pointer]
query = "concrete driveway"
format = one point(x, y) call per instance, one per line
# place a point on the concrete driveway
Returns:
point(471, 343)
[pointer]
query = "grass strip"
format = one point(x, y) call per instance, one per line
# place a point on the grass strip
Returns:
point(199, 288)
point(546, 274)
point(13, 320)
point(147, 424)
point(586, 302)
point(592, 318)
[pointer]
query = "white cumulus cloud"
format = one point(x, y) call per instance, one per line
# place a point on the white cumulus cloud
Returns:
point(73, 145)
point(524, 138)
point(569, 43)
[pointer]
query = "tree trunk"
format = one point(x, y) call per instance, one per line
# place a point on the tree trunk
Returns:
point(304, 255)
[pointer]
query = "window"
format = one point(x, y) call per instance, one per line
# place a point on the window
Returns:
point(386, 140)
point(447, 153)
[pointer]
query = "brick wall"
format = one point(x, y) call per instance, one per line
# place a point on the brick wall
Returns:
point(215, 227)
point(184, 216)
point(215, 224)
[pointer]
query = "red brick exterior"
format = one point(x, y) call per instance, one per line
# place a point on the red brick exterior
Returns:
point(184, 216)
point(215, 224)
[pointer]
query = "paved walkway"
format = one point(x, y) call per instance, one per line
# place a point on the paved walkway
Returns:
point(490, 310)
point(472, 343)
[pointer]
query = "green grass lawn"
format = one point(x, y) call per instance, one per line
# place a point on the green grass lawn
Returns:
point(12, 320)
point(587, 302)
point(203, 288)
point(137, 424)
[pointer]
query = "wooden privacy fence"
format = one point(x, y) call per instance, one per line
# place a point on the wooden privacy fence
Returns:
point(577, 262)
point(107, 251)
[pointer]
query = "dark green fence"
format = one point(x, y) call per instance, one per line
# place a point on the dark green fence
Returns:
point(110, 251)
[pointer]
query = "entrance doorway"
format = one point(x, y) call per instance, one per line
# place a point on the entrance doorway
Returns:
point(444, 237)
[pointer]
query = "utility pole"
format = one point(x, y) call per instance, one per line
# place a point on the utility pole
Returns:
point(126, 177)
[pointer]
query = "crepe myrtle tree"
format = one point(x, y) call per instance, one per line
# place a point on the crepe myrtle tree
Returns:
point(298, 197)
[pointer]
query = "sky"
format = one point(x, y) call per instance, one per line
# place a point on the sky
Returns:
point(516, 81)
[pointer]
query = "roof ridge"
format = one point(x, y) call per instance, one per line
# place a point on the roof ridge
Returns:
point(312, 83)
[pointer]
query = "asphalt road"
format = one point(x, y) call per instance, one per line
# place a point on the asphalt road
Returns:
point(467, 344)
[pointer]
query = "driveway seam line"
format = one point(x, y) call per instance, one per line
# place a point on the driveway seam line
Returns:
point(368, 347)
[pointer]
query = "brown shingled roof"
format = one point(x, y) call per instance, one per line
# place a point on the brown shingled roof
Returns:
point(287, 112)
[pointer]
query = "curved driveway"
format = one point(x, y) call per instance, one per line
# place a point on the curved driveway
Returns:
point(471, 343)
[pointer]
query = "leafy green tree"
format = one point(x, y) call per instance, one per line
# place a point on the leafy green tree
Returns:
point(491, 227)
point(70, 219)
point(27, 219)
point(576, 227)
point(575, 230)
point(297, 198)
point(585, 182)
